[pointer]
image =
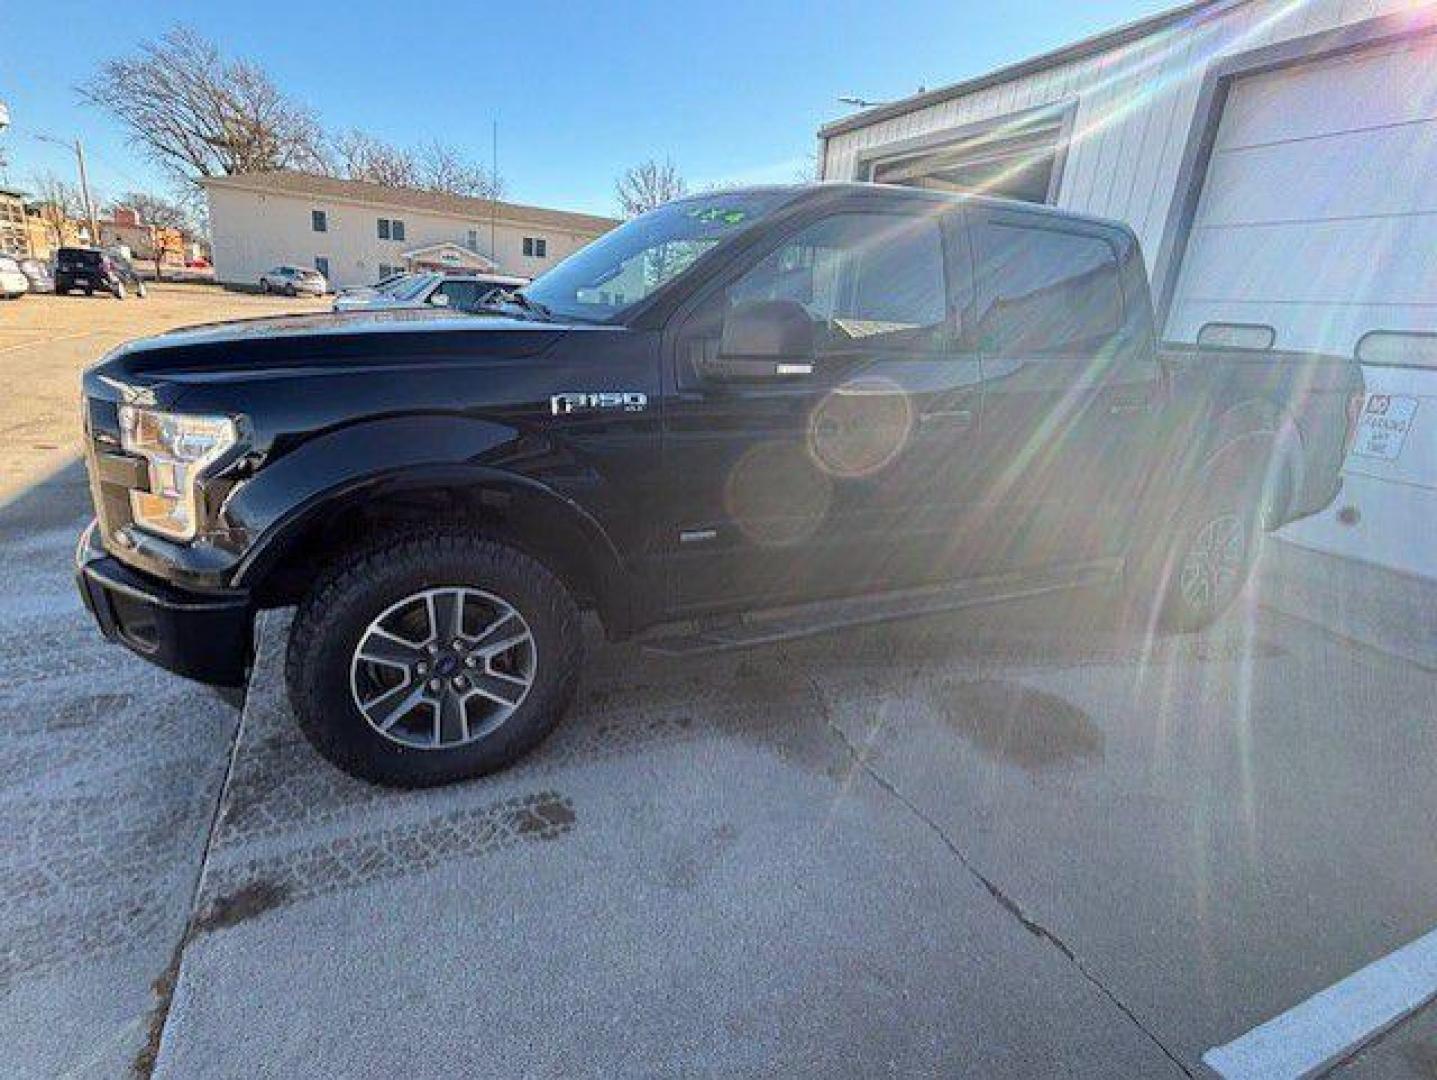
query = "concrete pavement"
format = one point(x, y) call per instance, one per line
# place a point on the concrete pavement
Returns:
point(964, 846)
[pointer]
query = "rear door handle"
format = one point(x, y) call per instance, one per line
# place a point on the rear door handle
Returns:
point(955, 419)
point(1128, 405)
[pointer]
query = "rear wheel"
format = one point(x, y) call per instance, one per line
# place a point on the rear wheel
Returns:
point(1205, 563)
point(428, 659)
point(119, 290)
point(264, 285)
point(140, 290)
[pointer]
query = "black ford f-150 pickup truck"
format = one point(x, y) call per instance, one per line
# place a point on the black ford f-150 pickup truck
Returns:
point(774, 398)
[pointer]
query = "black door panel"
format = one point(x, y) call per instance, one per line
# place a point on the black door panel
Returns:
point(844, 479)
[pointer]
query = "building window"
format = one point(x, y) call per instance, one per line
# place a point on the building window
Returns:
point(391, 229)
point(321, 263)
point(473, 240)
point(536, 247)
point(319, 220)
point(384, 228)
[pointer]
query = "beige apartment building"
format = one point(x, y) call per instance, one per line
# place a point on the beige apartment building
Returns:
point(14, 232)
point(356, 232)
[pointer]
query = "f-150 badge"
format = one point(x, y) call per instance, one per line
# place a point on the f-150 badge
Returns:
point(581, 401)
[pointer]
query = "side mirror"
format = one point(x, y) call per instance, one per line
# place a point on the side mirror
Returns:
point(440, 299)
point(764, 340)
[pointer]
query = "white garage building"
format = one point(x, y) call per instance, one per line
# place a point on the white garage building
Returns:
point(1278, 160)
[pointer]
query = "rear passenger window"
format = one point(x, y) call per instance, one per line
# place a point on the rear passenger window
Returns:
point(1042, 291)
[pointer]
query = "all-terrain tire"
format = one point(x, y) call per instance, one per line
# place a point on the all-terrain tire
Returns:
point(346, 602)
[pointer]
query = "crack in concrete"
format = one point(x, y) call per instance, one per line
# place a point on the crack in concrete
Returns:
point(1006, 902)
point(164, 987)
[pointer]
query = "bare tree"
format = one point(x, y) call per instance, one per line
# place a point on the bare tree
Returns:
point(435, 166)
point(170, 220)
point(648, 185)
point(198, 114)
point(60, 206)
point(363, 157)
point(443, 168)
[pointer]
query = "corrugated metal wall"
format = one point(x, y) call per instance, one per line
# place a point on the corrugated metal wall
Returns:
point(1135, 106)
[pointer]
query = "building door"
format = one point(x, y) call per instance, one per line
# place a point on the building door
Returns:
point(1318, 217)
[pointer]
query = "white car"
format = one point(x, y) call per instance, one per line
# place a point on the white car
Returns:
point(13, 281)
point(462, 292)
point(293, 281)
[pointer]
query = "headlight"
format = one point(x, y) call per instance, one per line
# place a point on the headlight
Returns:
point(179, 448)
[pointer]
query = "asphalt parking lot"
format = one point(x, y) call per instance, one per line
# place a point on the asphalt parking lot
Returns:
point(988, 844)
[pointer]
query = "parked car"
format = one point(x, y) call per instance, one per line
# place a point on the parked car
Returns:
point(848, 402)
point(91, 269)
point(293, 281)
point(462, 292)
point(13, 282)
point(384, 284)
point(38, 273)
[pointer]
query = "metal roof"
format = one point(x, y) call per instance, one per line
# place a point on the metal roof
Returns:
point(1108, 39)
point(288, 182)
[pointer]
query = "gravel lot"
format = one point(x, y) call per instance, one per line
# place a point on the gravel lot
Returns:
point(989, 844)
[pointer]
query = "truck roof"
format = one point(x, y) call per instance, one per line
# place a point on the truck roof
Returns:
point(827, 188)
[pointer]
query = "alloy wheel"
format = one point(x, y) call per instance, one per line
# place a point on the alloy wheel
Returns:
point(1213, 565)
point(443, 667)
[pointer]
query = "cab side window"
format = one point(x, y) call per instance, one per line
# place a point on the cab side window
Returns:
point(869, 281)
point(1045, 292)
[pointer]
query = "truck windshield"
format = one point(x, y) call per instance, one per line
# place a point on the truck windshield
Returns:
point(622, 267)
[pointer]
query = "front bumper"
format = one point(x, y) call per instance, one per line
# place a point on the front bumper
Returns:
point(203, 636)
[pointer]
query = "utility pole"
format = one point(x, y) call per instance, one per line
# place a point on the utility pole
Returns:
point(494, 191)
point(84, 184)
point(85, 194)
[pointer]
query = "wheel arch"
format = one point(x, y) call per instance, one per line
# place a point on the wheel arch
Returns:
point(514, 509)
point(1256, 434)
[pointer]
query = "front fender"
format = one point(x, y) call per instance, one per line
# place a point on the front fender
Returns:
point(371, 464)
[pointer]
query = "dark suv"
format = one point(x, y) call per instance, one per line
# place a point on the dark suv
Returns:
point(91, 269)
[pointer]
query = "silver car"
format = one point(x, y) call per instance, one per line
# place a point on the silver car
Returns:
point(293, 281)
point(13, 283)
point(462, 292)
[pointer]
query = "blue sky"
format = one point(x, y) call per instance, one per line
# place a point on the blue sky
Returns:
point(732, 92)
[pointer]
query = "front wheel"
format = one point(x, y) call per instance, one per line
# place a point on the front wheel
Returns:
point(428, 659)
point(119, 290)
point(140, 291)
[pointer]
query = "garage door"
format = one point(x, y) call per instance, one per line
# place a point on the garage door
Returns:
point(1318, 216)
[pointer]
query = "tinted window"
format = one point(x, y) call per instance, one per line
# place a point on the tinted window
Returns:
point(870, 279)
point(1044, 291)
point(463, 295)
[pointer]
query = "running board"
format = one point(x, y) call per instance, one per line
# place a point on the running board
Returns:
point(824, 616)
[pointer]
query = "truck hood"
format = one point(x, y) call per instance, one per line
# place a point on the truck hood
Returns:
point(329, 339)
